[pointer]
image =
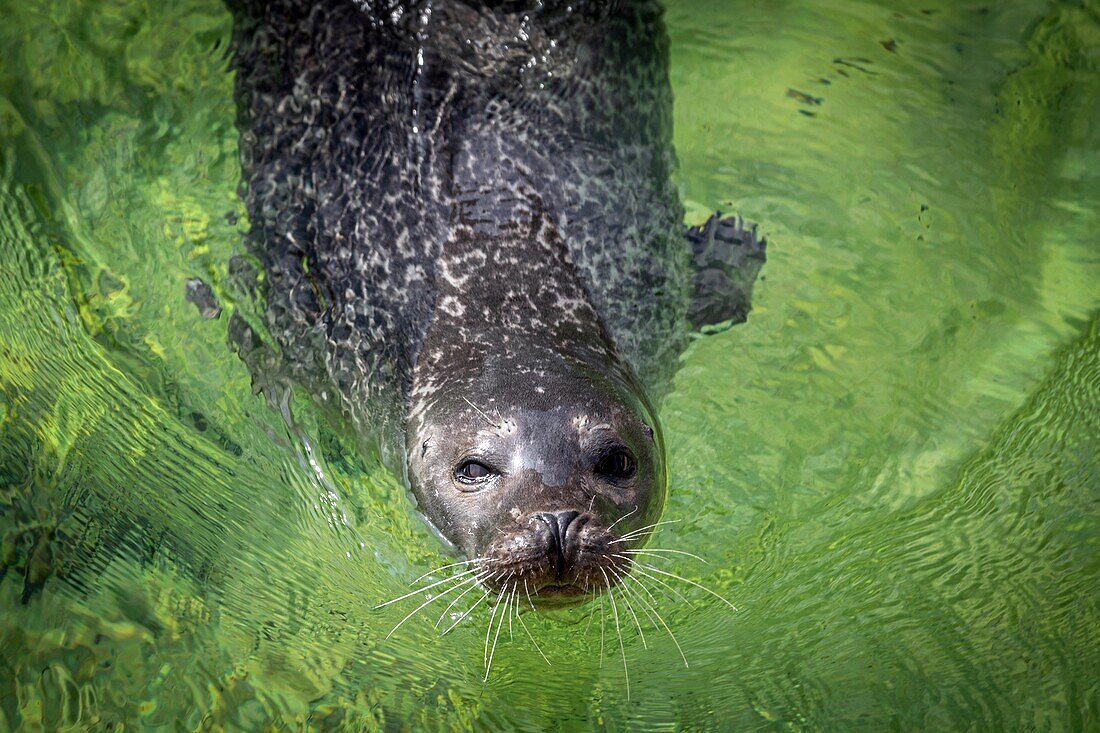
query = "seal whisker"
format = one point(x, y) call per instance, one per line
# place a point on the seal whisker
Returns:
point(689, 582)
point(514, 601)
point(619, 632)
point(656, 552)
point(591, 616)
point(424, 588)
point(668, 588)
point(489, 630)
point(445, 567)
point(630, 609)
point(603, 616)
point(478, 410)
point(470, 610)
point(651, 526)
point(447, 610)
point(653, 607)
point(496, 637)
point(627, 589)
point(632, 535)
point(612, 525)
point(431, 600)
point(528, 592)
point(529, 634)
point(467, 612)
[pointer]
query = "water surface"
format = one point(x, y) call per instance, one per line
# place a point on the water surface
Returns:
point(891, 468)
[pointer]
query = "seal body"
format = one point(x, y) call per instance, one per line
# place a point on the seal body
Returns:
point(471, 244)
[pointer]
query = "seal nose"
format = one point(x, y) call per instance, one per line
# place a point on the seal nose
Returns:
point(558, 523)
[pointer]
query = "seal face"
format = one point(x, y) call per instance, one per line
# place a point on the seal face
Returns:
point(529, 437)
point(534, 494)
point(531, 469)
point(472, 250)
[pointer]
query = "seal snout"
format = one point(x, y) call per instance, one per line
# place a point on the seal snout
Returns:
point(559, 524)
point(558, 556)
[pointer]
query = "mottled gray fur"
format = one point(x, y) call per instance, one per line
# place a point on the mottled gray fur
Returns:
point(437, 186)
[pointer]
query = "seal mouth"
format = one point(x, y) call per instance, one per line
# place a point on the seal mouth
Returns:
point(560, 594)
point(557, 559)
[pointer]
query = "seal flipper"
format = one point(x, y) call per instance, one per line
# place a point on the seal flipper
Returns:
point(726, 257)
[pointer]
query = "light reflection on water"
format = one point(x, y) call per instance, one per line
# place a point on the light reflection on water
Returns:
point(891, 468)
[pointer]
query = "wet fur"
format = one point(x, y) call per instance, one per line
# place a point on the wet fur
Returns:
point(381, 162)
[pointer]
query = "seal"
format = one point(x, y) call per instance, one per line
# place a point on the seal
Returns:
point(471, 246)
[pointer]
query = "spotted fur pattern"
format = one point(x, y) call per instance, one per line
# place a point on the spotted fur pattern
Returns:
point(435, 185)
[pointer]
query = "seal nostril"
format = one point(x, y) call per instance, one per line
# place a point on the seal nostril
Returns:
point(558, 524)
point(564, 520)
point(551, 521)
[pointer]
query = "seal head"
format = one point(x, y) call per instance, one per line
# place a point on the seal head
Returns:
point(530, 444)
point(534, 481)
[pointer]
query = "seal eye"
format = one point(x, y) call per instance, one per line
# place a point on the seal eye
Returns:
point(472, 472)
point(618, 464)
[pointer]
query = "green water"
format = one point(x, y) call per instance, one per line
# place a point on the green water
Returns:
point(892, 468)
